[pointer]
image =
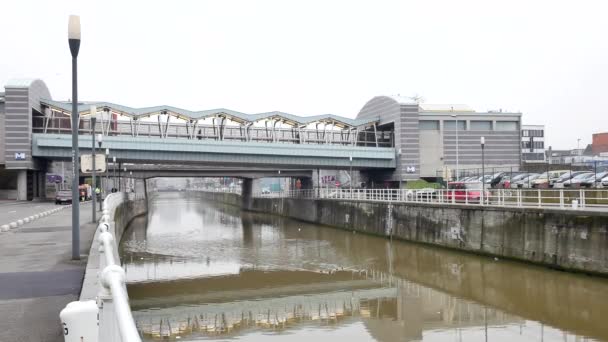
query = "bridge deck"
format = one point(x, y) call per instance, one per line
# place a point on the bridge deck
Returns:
point(211, 152)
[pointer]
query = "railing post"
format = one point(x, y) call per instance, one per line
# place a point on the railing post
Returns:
point(108, 326)
point(539, 199)
point(561, 198)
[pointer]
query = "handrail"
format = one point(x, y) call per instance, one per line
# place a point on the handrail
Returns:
point(533, 198)
point(113, 294)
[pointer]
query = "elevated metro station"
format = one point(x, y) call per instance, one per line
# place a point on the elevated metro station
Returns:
point(391, 141)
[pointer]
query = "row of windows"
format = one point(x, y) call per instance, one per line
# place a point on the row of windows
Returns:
point(533, 133)
point(474, 125)
point(533, 144)
point(533, 156)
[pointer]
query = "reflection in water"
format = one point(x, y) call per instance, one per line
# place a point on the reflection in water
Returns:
point(207, 271)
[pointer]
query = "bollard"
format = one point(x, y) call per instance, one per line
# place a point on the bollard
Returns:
point(13, 224)
point(37, 216)
point(5, 228)
point(575, 204)
point(26, 220)
point(79, 321)
point(20, 222)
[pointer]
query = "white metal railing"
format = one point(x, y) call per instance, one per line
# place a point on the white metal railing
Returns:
point(116, 322)
point(540, 198)
point(109, 317)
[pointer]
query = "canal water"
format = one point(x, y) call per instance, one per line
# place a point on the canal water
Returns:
point(202, 271)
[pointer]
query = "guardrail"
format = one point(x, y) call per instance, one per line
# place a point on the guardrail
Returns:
point(540, 198)
point(111, 310)
point(175, 130)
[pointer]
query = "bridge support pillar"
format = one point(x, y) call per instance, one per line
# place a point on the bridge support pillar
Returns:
point(247, 194)
point(22, 185)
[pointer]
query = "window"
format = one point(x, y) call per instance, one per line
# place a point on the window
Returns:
point(481, 125)
point(525, 133)
point(506, 125)
point(450, 125)
point(539, 144)
point(428, 125)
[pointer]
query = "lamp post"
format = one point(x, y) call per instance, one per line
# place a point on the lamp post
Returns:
point(483, 171)
point(114, 166)
point(107, 170)
point(595, 171)
point(350, 173)
point(124, 180)
point(74, 42)
point(93, 110)
point(99, 138)
point(456, 129)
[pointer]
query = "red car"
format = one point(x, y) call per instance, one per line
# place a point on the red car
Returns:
point(467, 192)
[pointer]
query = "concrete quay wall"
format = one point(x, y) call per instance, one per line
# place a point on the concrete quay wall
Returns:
point(123, 215)
point(563, 239)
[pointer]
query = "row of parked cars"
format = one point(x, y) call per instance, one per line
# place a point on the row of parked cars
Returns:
point(558, 179)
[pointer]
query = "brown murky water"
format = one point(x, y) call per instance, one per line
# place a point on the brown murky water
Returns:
point(201, 271)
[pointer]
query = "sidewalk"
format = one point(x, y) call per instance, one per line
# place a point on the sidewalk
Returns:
point(38, 277)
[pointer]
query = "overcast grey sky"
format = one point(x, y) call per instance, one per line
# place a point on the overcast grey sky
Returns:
point(547, 59)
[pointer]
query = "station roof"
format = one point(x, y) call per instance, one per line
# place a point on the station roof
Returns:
point(243, 118)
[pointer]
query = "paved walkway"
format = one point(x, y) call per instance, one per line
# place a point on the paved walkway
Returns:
point(37, 276)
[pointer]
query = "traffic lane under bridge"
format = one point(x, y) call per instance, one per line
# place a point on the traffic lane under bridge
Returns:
point(209, 152)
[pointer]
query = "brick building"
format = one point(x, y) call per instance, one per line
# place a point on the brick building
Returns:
point(600, 143)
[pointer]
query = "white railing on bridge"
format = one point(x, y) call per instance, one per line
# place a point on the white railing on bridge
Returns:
point(540, 198)
point(112, 313)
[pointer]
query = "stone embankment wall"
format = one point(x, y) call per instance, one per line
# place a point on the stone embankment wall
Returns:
point(124, 214)
point(573, 240)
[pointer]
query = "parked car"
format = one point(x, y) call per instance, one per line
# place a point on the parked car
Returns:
point(426, 194)
point(525, 182)
point(63, 196)
point(506, 180)
point(465, 192)
point(575, 182)
point(546, 179)
point(605, 181)
point(559, 183)
point(593, 181)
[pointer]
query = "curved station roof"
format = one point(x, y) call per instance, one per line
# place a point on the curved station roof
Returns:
point(242, 118)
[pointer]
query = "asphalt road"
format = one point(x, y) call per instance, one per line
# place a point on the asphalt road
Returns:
point(37, 276)
point(13, 211)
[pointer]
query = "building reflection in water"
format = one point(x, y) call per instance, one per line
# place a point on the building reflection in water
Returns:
point(225, 273)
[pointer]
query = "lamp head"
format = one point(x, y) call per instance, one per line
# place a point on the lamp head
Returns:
point(74, 34)
point(99, 138)
point(483, 140)
point(107, 152)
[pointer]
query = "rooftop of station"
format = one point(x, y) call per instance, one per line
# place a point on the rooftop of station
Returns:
point(239, 117)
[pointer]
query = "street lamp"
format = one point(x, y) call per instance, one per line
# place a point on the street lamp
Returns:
point(99, 138)
point(92, 112)
point(456, 129)
point(114, 166)
point(74, 42)
point(483, 171)
point(595, 158)
point(107, 169)
point(350, 174)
